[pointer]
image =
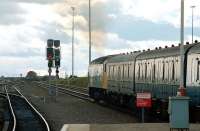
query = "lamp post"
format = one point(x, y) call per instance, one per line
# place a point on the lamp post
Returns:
point(90, 41)
point(181, 90)
point(193, 22)
point(73, 12)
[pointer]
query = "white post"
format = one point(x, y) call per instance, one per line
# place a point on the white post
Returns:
point(73, 9)
point(90, 41)
point(192, 23)
point(181, 88)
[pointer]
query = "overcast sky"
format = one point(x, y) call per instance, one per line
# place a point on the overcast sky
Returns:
point(118, 26)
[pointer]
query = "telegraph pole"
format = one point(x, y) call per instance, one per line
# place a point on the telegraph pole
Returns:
point(90, 41)
point(181, 89)
point(73, 10)
point(193, 23)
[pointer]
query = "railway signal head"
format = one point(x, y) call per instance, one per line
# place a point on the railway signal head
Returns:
point(50, 43)
point(57, 43)
point(50, 63)
point(57, 53)
point(50, 53)
point(53, 53)
point(57, 62)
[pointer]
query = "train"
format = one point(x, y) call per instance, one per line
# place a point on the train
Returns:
point(118, 78)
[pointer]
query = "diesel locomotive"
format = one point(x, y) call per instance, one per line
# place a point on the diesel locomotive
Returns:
point(118, 78)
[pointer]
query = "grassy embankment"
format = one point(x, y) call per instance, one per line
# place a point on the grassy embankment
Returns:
point(79, 81)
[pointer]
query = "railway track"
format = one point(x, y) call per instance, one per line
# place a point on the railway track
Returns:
point(83, 89)
point(69, 91)
point(22, 115)
point(85, 96)
point(71, 87)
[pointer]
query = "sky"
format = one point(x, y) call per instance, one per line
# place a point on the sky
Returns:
point(118, 26)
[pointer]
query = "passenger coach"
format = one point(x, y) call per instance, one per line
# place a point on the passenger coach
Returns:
point(118, 78)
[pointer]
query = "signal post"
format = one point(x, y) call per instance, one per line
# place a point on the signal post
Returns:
point(53, 57)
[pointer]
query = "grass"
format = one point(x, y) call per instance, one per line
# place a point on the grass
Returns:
point(79, 81)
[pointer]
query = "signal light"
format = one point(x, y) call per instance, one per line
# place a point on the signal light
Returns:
point(53, 55)
point(57, 62)
point(57, 43)
point(49, 57)
point(50, 43)
point(57, 53)
point(50, 53)
point(50, 63)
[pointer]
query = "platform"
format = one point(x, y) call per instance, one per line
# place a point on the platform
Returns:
point(123, 127)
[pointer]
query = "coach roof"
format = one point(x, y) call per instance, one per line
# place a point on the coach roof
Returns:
point(101, 60)
point(163, 52)
point(195, 49)
point(123, 58)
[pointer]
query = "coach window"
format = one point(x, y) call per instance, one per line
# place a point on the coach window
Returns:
point(141, 71)
point(113, 72)
point(104, 68)
point(145, 71)
point(110, 72)
point(176, 71)
point(154, 72)
point(173, 70)
point(198, 64)
point(128, 70)
point(138, 71)
point(123, 72)
point(163, 73)
point(119, 73)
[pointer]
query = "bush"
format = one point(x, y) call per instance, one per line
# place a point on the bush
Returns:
point(75, 81)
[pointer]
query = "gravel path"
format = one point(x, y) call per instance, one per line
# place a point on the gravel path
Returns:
point(70, 110)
